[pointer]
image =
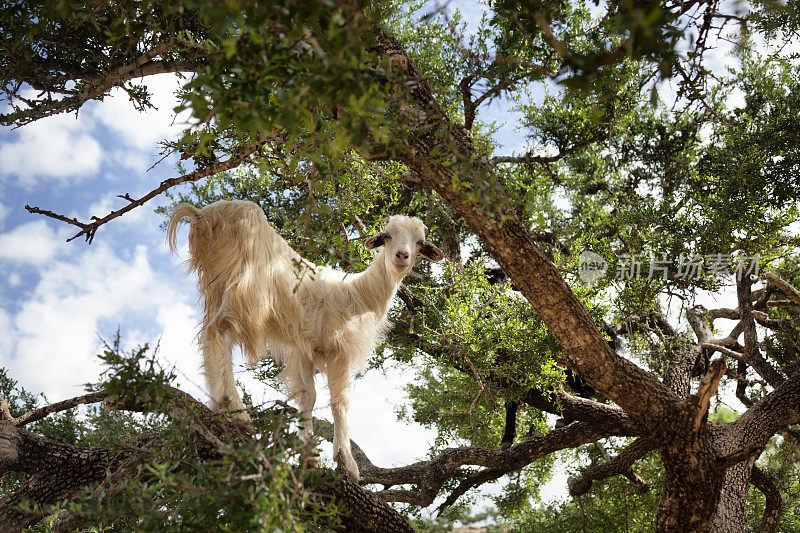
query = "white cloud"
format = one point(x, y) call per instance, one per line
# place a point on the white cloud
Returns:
point(7, 338)
point(59, 147)
point(70, 150)
point(57, 325)
point(34, 243)
point(177, 348)
point(3, 215)
point(142, 130)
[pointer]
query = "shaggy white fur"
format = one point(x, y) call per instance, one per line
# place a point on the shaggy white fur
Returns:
point(260, 293)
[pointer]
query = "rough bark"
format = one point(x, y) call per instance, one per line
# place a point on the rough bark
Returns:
point(430, 476)
point(731, 514)
point(616, 466)
point(55, 472)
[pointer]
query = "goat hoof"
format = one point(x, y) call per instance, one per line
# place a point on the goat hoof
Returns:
point(242, 419)
point(246, 425)
point(347, 465)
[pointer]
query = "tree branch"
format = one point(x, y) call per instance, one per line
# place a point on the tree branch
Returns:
point(777, 410)
point(474, 193)
point(701, 400)
point(42, 412)
point(475, 480)
point(783, 286)
point(431, 475)
point(619, 465)
point(773, 501)
point(754, 357)
point(59, 472)
point(97, 87)
point(602, 416)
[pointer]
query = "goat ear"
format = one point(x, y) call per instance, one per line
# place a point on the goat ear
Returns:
point(429, 251)
point(377, 240)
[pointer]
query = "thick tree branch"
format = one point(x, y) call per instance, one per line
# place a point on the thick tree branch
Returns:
point(59, 472)
point(772, 496)
point(739, 455)
point(783, 286)
point(431, 475)
point(754, 357)
point(619, 465)
point(701, 400)
point(776, 411)
point(55, 471)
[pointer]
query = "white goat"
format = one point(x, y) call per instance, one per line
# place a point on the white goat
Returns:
point(261, 294)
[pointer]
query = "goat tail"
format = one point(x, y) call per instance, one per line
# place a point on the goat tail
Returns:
point(180, 212)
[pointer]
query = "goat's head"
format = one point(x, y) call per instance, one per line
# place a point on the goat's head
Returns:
point(404, 239)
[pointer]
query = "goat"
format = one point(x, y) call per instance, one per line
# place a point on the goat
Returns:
point(261, 294)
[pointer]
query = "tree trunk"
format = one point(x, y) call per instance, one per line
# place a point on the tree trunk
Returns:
point(731, 516)
point(692, 485)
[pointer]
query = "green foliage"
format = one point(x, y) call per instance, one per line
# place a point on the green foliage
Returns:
point(613, 505)
point(476, 338)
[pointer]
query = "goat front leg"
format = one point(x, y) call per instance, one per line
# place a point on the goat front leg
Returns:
point(218, 370)
point(338, 383)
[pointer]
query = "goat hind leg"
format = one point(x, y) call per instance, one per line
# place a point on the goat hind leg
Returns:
point(218, 370)
point(304, 393)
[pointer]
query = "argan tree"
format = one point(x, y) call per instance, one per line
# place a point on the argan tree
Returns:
point(680, 176)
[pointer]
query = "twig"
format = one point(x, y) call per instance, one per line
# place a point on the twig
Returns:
point(88, 229)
